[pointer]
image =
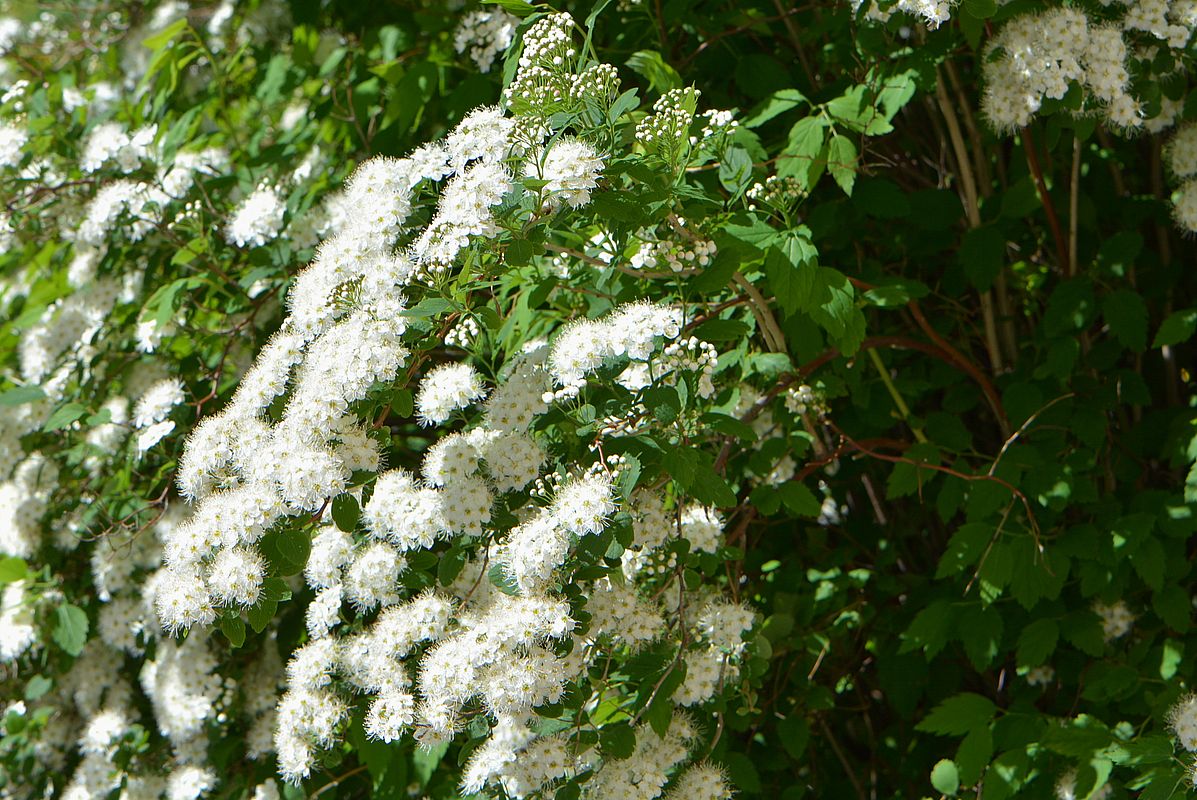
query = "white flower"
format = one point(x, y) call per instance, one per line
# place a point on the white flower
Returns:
point(572, 168)
point(154, 434)
point(258, 219)
point(445, 389)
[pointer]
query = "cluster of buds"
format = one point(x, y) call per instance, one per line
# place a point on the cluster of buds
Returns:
point(463, 334)
point(776, 192)
point(803, 399)
point(685, 252)
point(695, 355)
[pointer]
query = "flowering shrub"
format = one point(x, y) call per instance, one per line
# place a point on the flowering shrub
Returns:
point(628, 401)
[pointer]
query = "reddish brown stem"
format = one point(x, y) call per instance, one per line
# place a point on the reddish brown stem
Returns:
point(1028, 146)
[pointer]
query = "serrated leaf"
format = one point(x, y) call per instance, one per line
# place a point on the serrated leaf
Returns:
point(1037, 642)
point(1148, 559)
point(1126, 314)
point(964, 548)
point(799, 500)
point(617, 741)
point(958, 715)
point(930, 629)
point(777, 103)
point(651, 65)
point(841, 162)
point(803, 157)
point(721, 330)
point(974, 754)
point(1176, 328)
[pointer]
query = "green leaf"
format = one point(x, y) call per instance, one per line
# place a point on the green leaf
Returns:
point(794, 732)
point(259, 615)
point(907, 479)
point(1037, 642)
point(958, 715)
point(37, 687)
point(164, 36)
point(70, 630)
point(346, 512)
point(930, 629)
point(980, 9)
point(12, 569)
point(276, 589)
point(1149, 561)
point(841, 162)
point(1126, 314)
point(450, 566)
point(982, 254)
point(945, 777)
point(64, 416)
point(617, 741)
point(286, 550)
point(402, 403)
point(974, 754)
point(775, 104)
point(792, 270)
point(710, 488)
point(799, 500)
point(1178, 327)
point(233, 629)
point(426, 760)
point(680, 464)
point(650, 65)
point(721, 330)
point(964, 548)
point(803, 157)
point(501, 580)
point(518, 8)
point(21, 395)
point(735, 170)
point(1174, 607)
point(428, 307)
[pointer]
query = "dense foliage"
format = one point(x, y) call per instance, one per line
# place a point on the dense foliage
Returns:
point(629, 400)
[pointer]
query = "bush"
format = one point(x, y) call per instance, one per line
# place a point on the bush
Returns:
point(630, 400)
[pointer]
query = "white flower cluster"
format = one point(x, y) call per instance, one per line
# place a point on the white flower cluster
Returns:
point(932, 12)
point(1043, 55)
point(571, 169)
point(584, 346)
point(485, 33)
point(110, 142)
point(1116, 619)
point(259, 218)
point(445, 389)
point(1181, 155)
point(1182, 719)
point(12, 141)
